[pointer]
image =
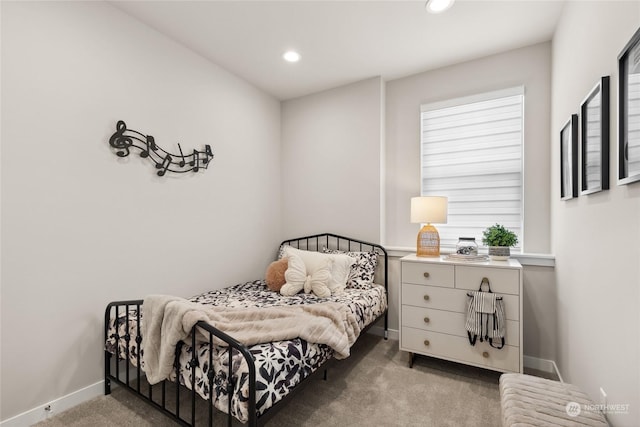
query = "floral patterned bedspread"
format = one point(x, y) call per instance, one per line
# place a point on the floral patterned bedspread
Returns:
point(280, 366)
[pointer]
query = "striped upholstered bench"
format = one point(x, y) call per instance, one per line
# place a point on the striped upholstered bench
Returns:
point(532, 401)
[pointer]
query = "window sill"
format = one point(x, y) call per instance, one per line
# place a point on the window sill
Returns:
point(540, 260)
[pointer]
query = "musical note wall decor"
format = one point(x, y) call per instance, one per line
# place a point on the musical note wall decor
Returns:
point(123, 140)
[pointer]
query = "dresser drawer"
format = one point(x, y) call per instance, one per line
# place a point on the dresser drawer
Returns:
point(502, 280)
point(423, 273)
point(458, 349)
point(451, 299)
point(434, 297)
point(449, 322)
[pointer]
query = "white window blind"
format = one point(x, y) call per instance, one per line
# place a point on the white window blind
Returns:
point(471, 152)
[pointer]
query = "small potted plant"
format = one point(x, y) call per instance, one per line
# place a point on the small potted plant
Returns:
point(499, 240)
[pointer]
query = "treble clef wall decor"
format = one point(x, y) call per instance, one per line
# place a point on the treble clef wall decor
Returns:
point(124, 139)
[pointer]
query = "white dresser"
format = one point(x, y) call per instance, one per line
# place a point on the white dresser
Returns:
point(433, 306)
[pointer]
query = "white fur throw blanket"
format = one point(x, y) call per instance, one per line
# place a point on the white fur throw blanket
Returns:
point(169, 319)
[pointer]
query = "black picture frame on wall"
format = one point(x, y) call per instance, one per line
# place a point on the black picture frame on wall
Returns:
point(594, 142)
point(629, 112)
point(569, 159)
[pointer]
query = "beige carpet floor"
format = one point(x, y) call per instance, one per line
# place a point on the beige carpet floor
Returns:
point(375, 386)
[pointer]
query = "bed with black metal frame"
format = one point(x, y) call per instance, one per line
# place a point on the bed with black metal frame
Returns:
point(123, 361)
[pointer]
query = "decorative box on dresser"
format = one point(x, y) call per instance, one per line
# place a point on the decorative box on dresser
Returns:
point(433, 307)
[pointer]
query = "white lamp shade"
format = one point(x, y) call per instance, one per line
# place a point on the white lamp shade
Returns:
point(429, 209)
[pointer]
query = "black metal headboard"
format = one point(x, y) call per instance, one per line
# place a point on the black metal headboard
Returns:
point(333, 241)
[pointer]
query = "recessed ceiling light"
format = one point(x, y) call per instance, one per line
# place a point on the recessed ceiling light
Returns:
point(291, 56)
point(437, 6)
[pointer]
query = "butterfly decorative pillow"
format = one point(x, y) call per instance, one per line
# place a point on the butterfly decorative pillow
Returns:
point(339, 266)
point(297, 278)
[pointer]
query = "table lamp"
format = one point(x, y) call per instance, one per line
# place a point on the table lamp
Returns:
point(425, 210)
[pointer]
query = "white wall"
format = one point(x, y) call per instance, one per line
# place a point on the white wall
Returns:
point(529, 66)
point(539, 312)
point(598, 277)
point(331, 148)
point(81, 227)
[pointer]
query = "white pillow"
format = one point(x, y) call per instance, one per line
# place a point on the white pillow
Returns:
point(313, 261)
point(362, 271)
point(298, 278)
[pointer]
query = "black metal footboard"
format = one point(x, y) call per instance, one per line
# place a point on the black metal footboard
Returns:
point(180, 403)
point(173, 406)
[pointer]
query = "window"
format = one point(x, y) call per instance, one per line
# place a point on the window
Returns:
point(471, 152)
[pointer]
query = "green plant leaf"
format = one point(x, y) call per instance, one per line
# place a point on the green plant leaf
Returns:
point(498, 235)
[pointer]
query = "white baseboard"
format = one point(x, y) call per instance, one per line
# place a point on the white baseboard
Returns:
point(56, 406)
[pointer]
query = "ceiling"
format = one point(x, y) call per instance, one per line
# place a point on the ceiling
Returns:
point(343, 41)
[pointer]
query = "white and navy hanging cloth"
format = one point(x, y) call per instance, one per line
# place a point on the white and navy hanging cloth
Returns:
point(485, 317)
